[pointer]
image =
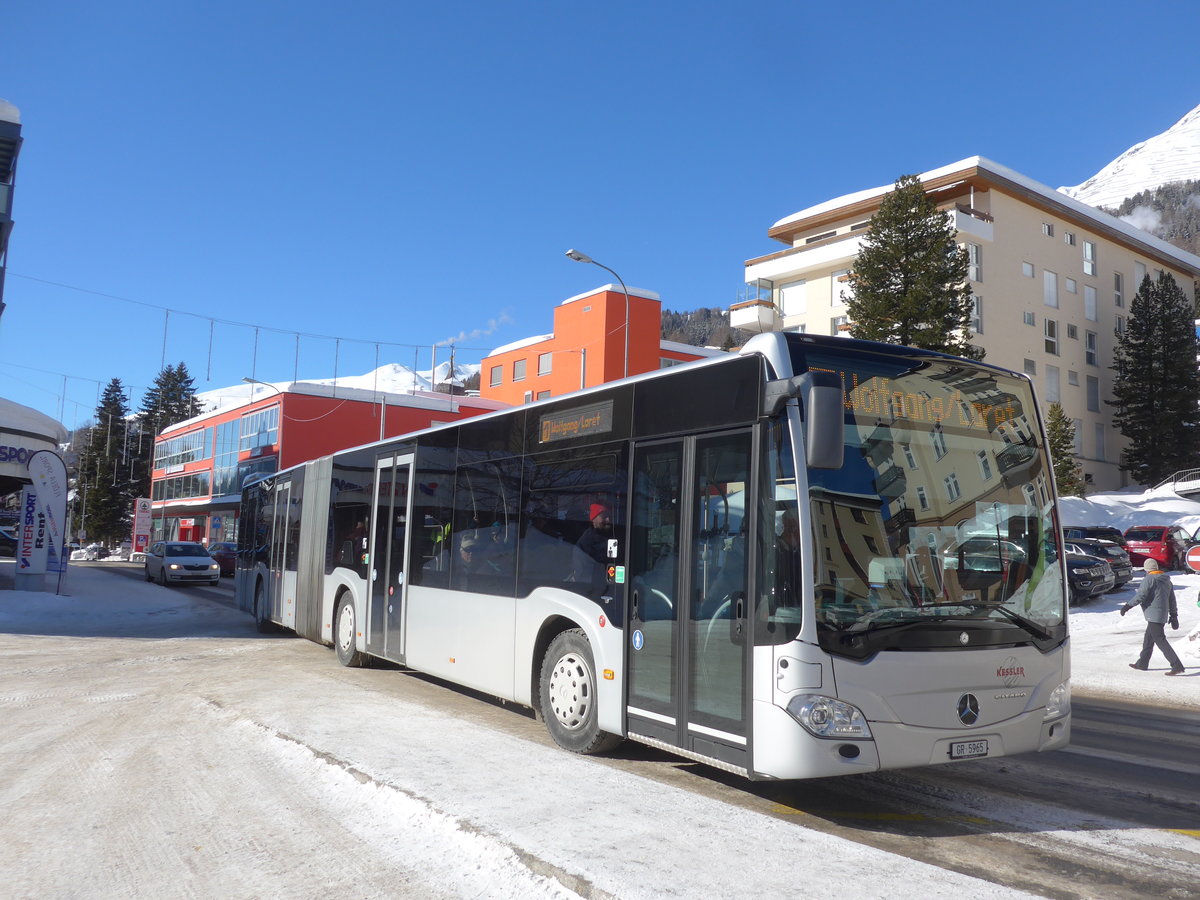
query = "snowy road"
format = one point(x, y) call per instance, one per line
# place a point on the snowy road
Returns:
point(153, 744)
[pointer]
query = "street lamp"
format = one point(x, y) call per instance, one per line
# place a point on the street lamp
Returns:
point(263, 383)
point(584, 258)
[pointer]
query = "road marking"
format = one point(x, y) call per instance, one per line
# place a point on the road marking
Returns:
point(1182, 768)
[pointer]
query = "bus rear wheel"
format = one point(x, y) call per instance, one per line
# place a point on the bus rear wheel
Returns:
point(345, 630)
point(568, 695)
point(261, 623)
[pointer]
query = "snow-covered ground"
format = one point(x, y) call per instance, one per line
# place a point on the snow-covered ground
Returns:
point(159, 734)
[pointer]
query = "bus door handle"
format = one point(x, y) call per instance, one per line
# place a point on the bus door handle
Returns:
point(737, 617)
point(634, 609)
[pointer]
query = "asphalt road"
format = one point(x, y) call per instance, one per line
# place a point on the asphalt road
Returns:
point(1115, 815)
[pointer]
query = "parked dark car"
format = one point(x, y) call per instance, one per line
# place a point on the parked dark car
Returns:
point(225, 553)
point(1098, 532)
point(1166, 543)
point(1087, 576)
point(8, 542)
point(1113, 554)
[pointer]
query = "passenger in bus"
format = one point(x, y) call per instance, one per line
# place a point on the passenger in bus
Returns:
point(545, 558)
point(473, 561)
point(594, 541)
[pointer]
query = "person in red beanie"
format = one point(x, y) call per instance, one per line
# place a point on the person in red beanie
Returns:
point(594, 541)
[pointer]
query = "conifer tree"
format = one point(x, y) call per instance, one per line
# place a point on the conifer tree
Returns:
point(105, 479)
point(910, 278)
point(1060, 434)
point(1157, 387)
point(170, 400)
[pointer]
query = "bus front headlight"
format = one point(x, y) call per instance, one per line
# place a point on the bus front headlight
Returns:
point(1059, 703)
point(826, 717)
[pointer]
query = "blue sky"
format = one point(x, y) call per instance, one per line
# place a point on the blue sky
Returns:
point(411, 173)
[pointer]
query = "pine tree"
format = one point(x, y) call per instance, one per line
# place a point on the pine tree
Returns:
point(170, 400)
point(1060, 434)
point(106, 469)
point(1157, 387)
point(910, 278)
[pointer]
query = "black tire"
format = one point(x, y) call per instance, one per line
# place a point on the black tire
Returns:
point(262, 624)
point(149, 577)
point(162, 575)
point(345, 629)
point(567, 693)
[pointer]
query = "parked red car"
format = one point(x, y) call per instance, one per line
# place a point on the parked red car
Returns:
point(225, 553)
point(1166, 543)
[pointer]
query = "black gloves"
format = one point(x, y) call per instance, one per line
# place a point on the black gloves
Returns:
point(1124, 609)
point(1174, 623)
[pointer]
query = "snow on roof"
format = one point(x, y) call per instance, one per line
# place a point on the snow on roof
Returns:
point(523, 342)
point(616, 288)
point(1082, 210)
point(18, 418)
point(9, 113)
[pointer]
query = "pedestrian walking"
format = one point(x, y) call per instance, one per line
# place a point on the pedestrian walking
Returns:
point(1156, 596)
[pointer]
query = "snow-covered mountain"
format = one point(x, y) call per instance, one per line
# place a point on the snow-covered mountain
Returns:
point(1171, 156)
point(391, 378)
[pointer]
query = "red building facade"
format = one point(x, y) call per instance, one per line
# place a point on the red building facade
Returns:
point(199, 464)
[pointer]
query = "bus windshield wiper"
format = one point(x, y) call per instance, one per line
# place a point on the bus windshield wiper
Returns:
point(1028, 624)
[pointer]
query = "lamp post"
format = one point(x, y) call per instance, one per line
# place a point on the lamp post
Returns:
point(263, 383)
point(584, 258)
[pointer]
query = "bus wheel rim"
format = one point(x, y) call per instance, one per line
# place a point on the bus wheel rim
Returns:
point(346, 627)
point(571, 691)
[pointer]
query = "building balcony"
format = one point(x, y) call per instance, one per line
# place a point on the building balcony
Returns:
point(891, 483)
point(973, 222)
point(877, 447)
point(756, 316)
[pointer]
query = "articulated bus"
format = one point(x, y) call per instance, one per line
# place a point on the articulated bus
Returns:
point(814, 557)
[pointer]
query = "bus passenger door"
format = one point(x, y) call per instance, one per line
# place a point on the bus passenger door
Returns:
point(688, 637)
point(283, 581)
point(388, 562)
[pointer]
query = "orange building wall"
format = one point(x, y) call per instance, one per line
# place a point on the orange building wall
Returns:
point(596, 324)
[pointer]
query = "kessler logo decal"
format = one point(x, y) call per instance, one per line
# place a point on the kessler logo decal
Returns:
point(1009, 672)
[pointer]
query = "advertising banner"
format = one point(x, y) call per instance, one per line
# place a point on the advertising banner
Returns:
point(49, 475)
point(142, 520)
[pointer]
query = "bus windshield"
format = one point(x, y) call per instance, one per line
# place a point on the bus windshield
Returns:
point(942, 513)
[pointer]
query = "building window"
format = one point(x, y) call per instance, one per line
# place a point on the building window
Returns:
point(922, 498)
point(1029, 318)
point(1089, 257)
point(518, 370)
point(1051, 334)
point(1089, 304)
point(543, 395)
point(1072, 377)
point(1139, 275)
point(1027, 269)
point(1089, 348)
point(1069, 238)
point(545, 363)
point(985, 465)
point(909, 457)
point(976, 322)
point(1053, 388)
point(793, 298)
point(1120, 325)
point(1078, 448)
point(497, 376)
point(1072, 288)
point(858, 516)
point(872, 547)
point(1050, 289)
point(1118, 290)
point(260, 429)
point(1072, 332)
point(1093, 394)
point(1099, 432)
point(974, 262)
point(1048, 229)
point(1030, 367)
point(939, 440)
point(953, 492)
point(837, 323)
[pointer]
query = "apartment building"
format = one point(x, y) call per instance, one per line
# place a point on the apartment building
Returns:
point(598, 337)
point(1052, 279)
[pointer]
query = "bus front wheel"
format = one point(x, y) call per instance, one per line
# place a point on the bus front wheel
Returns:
point(261, 623)
point(346, 629)
point(568, 695)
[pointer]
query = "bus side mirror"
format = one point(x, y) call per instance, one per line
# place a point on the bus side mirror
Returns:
point(824, 417)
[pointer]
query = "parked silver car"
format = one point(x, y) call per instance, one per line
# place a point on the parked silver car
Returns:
point(181, 562)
